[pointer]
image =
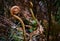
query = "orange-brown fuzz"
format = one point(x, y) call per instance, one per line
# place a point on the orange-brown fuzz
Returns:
point(15, 10)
